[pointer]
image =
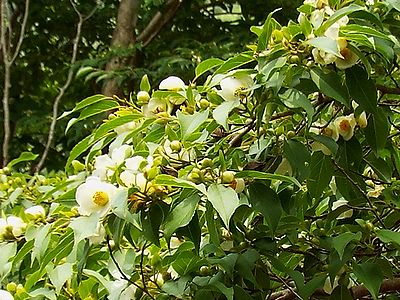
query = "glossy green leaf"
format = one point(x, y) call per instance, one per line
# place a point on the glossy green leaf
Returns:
point(265, 35)
point(267, 176)
point(235, 62)
point(224, 200)
point(207, 65)
point(321, 168)
point(180, 215)
point(24, 156)
point(293, 98)
point(342, 240)
point(266, 201)
point(377, 130)
point(169, 180)
point(190, 123)
point(186, 262)
point(221, 112)
point(341, 293)
point(337, 15)
point(388, 236)
point(84, 226)
point(84, 103)
point(361, 88)
point(370, 275)
point(60, 274)
point(330, 84)
point(298, 156)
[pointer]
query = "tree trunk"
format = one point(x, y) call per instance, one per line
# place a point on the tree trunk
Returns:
point(123, 37)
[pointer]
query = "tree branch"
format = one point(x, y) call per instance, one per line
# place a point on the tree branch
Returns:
point(8, 60)
point(388, 90)
point(159, 20)
point(123, 36)
point(357, 292)
point(66, 85)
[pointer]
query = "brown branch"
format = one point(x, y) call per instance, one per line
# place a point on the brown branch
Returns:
point(159, 20)
point(357, 292)
point(63, 89)
point(8, 60)
point(388, 90)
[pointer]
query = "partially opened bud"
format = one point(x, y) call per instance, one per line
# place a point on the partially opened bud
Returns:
point(172, 83)
point(362, 120)
point(143, 97)
point(35, 212)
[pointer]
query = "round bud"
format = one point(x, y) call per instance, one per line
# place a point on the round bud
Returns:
point(228, 176)
point(143, 97)
point(204, 103)
point(277, 35)
point(206, 163)
point(176, 146)
point(12, 287)
point(290, 134)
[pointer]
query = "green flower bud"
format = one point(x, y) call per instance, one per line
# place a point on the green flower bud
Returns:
point(228, 176)
point(176, 146)
point(143, 97)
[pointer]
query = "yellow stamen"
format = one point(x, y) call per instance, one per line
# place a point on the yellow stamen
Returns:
point(100, 198)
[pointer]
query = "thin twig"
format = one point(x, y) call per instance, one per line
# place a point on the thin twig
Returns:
point(22, 32)
point(365, 196)
point(123, 276)
point(142, 272)
point(66, 85)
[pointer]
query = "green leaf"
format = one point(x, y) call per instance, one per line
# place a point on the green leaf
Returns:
point(341, 241)
point(84, 226)
point(224, 200)
point(330, 84)
point(327, 141)
point(207, 65)
point(145, 84)
point(49, 294)
point(169, 180)
point(114, 123)
point(361, 88)
point(221, 112)
point(321, 174)
point(267, 176)
point(370, 275)
point(266, 201)
point(360, 29)
point(41, 243)
point(211, 225)
point(310, 287)
point(326, 44)
point(341, 293)
point(94, 109)
point(8, 251)
point(84, 103)
point(337, 16)
point(395, 4)
point(151, 221)
point(298, 156)
point(25, 156)
point(59, 275)
point(293, 98)
point(189, 123)
point(245, 264)
point(388, 236)
point(180, 215)
point(377, 130)
point(186, 262)
point(84, 71)
point(235, 62)
point(265, 35)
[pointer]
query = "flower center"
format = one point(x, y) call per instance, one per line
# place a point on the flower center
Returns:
point(346, 53)
point(344, 125)
point(100, 198)
point(327, 131)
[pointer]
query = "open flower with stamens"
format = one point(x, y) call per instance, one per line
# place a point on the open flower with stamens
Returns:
point(345, 126)
point(233, 87)
point(95, 196)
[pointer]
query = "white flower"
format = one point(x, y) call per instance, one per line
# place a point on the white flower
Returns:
point(346, 214)
point(5, 295)
point(331, 131)
point(377, 191)
point(322, 57)
point(345, 126)
point(155, 106)
point(11, 227)
point(143, 96)
point(172, 83)
point(133, 175)
point(94, 196)
point(103, 167)
point(35, 212)
point(233, 87)
point(118, 155)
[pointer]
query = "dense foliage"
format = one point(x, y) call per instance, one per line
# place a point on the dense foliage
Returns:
point(272, 174)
